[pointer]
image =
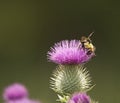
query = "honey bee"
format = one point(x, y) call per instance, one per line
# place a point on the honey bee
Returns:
point(87, 44)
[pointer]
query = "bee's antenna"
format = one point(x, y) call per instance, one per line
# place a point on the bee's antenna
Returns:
point(91, 34)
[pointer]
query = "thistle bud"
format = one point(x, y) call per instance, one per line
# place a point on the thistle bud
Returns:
point(68, 79)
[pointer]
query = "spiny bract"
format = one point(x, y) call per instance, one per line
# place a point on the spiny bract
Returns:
point(68, 79)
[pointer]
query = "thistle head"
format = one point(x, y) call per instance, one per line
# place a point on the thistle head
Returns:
point(15, 91)
point(69, 52)
point(80, 98)
point(25, 100)
point(68, 79)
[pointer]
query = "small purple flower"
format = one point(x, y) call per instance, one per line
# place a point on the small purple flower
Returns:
point(69, 52)
point(25, 100)
point(15, 91)
point(79, 98)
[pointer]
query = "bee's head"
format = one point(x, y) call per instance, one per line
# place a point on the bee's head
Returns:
point(85, 39)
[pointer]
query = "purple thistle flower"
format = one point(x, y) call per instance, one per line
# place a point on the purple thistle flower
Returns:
point(80, 98)
point(14, 92)
point(69, 52)
point(25, 100)
point(17, 93)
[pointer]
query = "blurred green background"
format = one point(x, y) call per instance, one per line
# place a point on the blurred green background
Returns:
point(29, 28)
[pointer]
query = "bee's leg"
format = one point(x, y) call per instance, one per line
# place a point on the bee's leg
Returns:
point(79, 45)
point(89, 52)
point(83, 46)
